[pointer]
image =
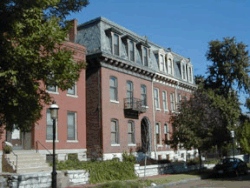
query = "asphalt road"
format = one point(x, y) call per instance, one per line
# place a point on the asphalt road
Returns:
point(242, 181)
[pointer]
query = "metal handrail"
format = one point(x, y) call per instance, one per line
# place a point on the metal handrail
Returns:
point(41, 145)
point(4, 144)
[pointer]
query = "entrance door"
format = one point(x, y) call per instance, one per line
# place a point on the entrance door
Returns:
point(145, 136)
point(15, 138)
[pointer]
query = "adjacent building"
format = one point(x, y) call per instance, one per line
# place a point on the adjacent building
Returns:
point(132, 87)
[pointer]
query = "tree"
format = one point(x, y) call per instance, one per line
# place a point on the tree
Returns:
point(31, 37)
point(243, 134)
point(230, 66)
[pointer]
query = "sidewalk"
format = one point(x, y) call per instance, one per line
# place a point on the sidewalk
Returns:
point(148, 177)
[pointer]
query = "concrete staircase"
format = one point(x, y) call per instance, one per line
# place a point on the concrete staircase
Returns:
point(28, 162)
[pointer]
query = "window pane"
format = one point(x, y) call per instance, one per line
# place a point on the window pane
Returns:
point(161, 63)
point(113, 126)
point(130, 139)
point(51, 88)
point(169, 66)
point(116, 45)
point(131, 51)
point(71, 91)
point(71, 125)
point(49, 129)
point(113, 88)
point(145, 57)
point(157, 128)
point(113, 138)
point(129, 127)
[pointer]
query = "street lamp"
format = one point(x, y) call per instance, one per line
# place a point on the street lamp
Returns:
point(232, 135)
point(54, 113)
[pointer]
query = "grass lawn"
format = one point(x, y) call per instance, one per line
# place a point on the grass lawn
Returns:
point(140, 183)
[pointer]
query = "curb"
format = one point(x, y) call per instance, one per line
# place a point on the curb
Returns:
point(175, 183)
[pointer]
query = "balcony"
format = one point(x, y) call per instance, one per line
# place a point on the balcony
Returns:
point(134, 105)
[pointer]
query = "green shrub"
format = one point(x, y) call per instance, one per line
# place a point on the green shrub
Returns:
point(73, 157)
point(193, 161)
point(128, 157)
point(101, 171)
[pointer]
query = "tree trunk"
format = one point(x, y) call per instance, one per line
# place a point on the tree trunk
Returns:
point(199, 151)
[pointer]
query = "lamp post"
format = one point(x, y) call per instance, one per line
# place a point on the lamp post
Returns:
point(54, 113)
point(232, 135)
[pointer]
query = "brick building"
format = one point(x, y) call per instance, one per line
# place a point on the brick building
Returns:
point(132, 86)
point(71, 123)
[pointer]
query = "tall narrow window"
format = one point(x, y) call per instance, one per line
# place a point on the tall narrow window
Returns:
point(130, 93)
point(49, 127)
point(164, 99)
point(113, 88)
point(132, 51)
point(72, 91)
point(166, 131)
point(157, 132)
point(145, 56)
point(131, 132)
point(144, 95)
point(170, 67)
point(172, 101)
point(116, 44)
point(179, 98)
point(183, 72)
point(51, 88)
point(190, 74)
point(114, 132)
point(156, 97)
point(71, 126)
point(161, 63)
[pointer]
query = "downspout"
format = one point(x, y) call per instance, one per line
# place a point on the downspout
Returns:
point(153, 113)
point(100, 109)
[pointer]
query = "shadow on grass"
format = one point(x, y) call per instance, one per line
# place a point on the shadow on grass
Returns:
point(209, 174)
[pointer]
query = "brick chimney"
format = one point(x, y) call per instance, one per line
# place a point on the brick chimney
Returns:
point(72, 30)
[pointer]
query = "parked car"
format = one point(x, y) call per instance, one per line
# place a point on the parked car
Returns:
point(231, 166)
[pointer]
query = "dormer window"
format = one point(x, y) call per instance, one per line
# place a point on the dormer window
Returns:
point(114, 40)
point(169, 64)
point(143, 50)
point(116, 44)
point(161, 63)
point(131, 51)
point(184, 70)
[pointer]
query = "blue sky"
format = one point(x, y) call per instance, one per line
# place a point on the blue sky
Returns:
point(186, 26)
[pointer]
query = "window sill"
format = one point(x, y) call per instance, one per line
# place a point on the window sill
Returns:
point(53, 92)
point(131, 144)
point(166, 110)
point(159, 146)
point(74, 96)
point(113, 101)
point(158, 109)
point(115, 145)
point(50, 141)
point(72, 141)
point(145, 107)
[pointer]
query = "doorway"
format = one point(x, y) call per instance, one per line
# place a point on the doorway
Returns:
point(20, 140)
point(146, 135)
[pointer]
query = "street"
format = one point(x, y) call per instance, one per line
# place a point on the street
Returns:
point(242, 181)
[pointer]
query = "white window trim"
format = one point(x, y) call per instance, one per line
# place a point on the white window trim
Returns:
point(166, 95)
point(75, 140)
point(74, 95)
point(50, 141)
point(119, 45)
point(183, 64)
point(116, 145)
point(53, 92)
point(170, 56)
point(131, 144)
point(159, 104)
point(113, 101)
point(128, 42)
point(172, 110)
point(117, 124)
point(56, 140)
point(190, 77)
point(72, 141)
point(142, 48)
point(133, 125)
point(160, 144)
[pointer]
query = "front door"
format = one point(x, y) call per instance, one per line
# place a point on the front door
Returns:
point(18, 139)
point(15, 138)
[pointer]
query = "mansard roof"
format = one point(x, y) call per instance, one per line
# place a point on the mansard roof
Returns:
point(93, 35)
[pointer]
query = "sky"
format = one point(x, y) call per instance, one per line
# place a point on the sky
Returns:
point(185, 26)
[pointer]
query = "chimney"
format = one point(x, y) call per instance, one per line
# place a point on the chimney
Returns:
point(72, 30)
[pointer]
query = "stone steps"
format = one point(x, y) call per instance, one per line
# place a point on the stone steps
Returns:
point(28, 162)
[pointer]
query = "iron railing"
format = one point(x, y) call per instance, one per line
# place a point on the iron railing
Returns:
point(38, 142)
point(134, 104)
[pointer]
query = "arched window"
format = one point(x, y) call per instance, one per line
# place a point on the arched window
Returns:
point(166, 132)
point(144, 95)
point(113, 88)
point(114, 131)
point(131, 132)
point(164, 100)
